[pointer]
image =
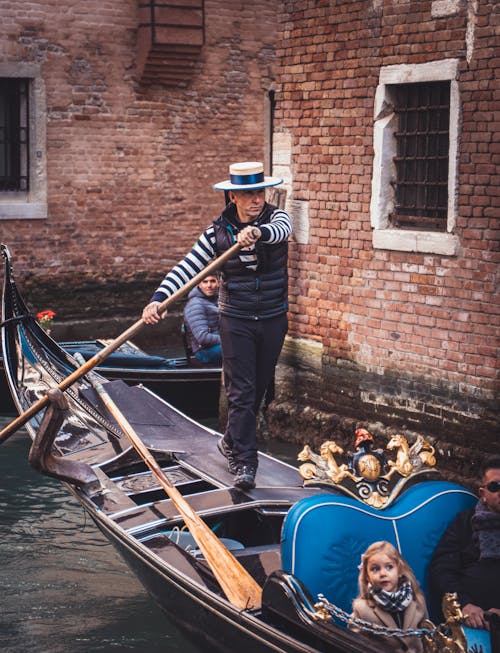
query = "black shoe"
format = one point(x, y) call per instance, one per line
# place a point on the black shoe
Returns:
point(245, 478)
point(225, 450)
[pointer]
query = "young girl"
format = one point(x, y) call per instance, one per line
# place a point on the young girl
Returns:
point(389, 595)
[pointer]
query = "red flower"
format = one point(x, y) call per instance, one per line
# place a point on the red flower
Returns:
point(45, 316)
point(45, 319)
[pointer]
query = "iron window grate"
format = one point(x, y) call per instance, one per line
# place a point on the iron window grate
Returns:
point(421, 161)
point(14, 134)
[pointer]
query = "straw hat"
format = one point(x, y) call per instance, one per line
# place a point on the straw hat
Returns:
point(247, 175)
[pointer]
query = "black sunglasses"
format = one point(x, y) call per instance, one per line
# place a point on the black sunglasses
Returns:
point(492, 486)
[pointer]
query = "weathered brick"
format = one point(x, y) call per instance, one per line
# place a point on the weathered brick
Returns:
point(451, 299)
point(131, 168)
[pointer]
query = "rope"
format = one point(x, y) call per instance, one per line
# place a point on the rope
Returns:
point(17, 318)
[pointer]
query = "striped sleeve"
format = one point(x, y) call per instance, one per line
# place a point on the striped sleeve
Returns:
point(202, 252)
point(277, 229)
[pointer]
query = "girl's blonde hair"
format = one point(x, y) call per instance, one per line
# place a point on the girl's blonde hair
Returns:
point(393, 554)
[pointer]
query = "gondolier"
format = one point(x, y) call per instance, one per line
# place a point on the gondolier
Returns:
point(253, 302)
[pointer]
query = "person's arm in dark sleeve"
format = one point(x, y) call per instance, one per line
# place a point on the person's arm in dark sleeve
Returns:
point(447, 561)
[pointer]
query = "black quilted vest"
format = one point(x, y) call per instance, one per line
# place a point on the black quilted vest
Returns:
point(251, 294)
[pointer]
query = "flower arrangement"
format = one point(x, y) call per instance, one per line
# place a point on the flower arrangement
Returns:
point(45, 319)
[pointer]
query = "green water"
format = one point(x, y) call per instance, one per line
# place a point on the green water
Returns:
point(63, 587)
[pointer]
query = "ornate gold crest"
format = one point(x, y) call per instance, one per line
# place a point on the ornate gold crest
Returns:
point(368, 474)
point(448, 637)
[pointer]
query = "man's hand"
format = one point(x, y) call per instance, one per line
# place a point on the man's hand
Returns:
point(492, 611)
point(248, 236)
point(474, 616)
point(150, 314)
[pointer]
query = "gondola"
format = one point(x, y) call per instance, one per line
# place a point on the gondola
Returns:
point(297, 535)
point(175, 379)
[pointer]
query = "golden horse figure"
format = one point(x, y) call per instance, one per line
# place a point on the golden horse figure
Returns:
point(450, 639)
point(362, 476)
point(324, 465)
point(335, 471)
point(402, 465)
point(410, 459)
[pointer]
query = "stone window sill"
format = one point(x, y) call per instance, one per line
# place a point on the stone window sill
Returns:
point(426, 242)
point(23, 210)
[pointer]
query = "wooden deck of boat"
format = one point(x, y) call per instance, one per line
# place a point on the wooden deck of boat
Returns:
point(163, 428)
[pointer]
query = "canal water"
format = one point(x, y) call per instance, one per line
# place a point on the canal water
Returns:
point(63, 588)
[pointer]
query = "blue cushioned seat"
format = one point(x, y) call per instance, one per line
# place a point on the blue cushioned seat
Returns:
point(123, 360)
point(324, 536)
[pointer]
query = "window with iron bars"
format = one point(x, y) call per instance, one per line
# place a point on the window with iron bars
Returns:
point(422, 151)
point(14, 134)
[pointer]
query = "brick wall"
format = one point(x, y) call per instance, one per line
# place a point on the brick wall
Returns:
point(130, 167)
point(410, 338)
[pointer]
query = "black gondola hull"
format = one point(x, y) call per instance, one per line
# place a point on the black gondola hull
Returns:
point(177, 382)
point(208, 621)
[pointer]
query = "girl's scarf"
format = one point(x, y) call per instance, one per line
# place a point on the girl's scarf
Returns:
point(396, 601)
point(486, 532)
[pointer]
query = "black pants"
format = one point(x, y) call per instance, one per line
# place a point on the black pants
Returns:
point(250, 350)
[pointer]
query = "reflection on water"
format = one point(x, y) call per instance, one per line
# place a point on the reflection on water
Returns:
point(64, 589)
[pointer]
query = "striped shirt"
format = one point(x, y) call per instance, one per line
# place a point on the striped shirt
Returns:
point(277, 230)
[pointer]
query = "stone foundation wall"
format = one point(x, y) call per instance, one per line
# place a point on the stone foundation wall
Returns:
point(317, 400)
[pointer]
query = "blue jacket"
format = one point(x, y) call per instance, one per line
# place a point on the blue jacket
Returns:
point(201, 320)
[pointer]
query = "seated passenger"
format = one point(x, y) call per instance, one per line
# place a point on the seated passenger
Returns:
point(389, 596)
point(467, 559)
point(201, 321)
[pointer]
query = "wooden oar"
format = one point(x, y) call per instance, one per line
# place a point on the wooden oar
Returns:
point(239, 587)
point(114, 344)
